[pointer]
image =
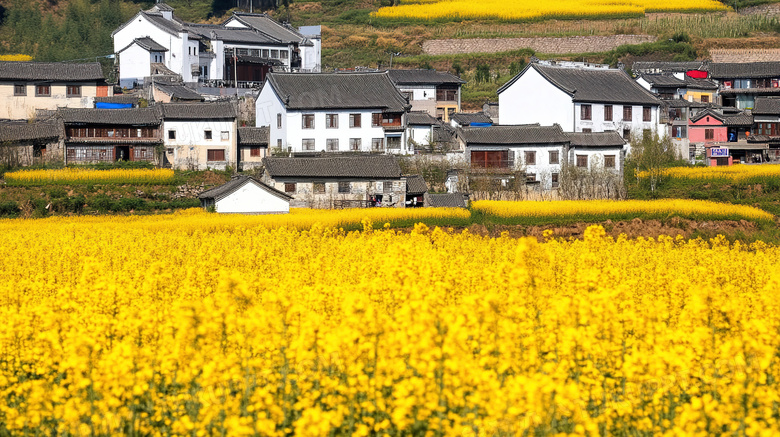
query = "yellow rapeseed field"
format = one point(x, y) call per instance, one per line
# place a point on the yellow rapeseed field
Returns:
point(88, 176)
point(529, 9)
point(733, 173)
point(196, 324)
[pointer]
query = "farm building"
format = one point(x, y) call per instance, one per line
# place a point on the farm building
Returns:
point(245, 195)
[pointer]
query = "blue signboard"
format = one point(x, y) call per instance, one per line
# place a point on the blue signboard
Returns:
point(718, 152)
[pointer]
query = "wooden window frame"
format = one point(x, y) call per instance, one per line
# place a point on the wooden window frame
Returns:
point(355, 144)
point(554, 180)
point(40, 94)
point(355, 121)
point(381, 142)
point(17, 91)
point(345, 188)
point(530, 157)
point(609, 161)
point(647, 114)
point(628, 113)
point(580, 159)
point(331, 121)
point(254, 151)
point(376, 119)
point(213, 155)
point(308, 144)
point(307, 118)
point(332, 145)
point(586, 112)
point(72, 90)
point(290, 187)
point(555, 157)
point(709, 134)
point(607, 112)
point(279, 120)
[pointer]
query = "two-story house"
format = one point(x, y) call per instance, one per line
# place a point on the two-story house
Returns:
point(200, 135)
point(333, 112)
point(243, 49)
point(28, 86)
point(435, 92)
point(579, 99)
point(108, 135)
point(742, 83)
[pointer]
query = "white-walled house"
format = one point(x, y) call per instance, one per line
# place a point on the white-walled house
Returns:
point(244, 48)
point(245, 195)
point(333, 112)
point(579, 99)
point(28, 86)
point(597, 150)
point(200, 135)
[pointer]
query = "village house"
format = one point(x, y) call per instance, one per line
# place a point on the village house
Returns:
point(742, 83)
point(200, 135)
point(679, 86)
point(240, 51)
point(437, 93)
point(245, 195)
point(29, 86)
point(333, 112)
point(109, 135)
point(252, 147)
point(23, 143)
point(338, 181)
point(416, 189)
point(171, 92)
point(597, 151)
point(579, 99)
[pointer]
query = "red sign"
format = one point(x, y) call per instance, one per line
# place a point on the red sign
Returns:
point(696, 74)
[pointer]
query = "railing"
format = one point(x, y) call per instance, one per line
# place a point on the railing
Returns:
point(220, 83)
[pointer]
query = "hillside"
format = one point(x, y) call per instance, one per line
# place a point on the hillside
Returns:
point(56, 30)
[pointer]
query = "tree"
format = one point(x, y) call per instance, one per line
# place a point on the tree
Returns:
point(483, 73)
point(650, 154)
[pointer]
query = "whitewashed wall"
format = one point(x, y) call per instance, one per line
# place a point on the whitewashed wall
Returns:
point(252, 199)
point(533, 99)
point(190, 146)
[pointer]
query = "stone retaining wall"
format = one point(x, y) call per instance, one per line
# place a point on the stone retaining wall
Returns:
point(566, 45)
point(745, 55)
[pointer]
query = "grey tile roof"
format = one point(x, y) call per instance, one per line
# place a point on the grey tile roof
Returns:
point(449, 200)
point(258, 60)
point(720, 70)
point(767, 105)
point(234, 184)
point(424, 77)
point(170, 26)
point(232, 34)
point(198, 111)
point(337, 91)
point(755, 91)
point(593, 85)
point(596, 139)
point(355, 167)
point(272, 28)
point(511, 135)
point(415, 184)
point(119, 117)
point(253, 136)
point(20, 131)
point(54, 71)
point(709, 112)
point(466, 118)
point(669, 67)
point(420, 117)
point(149, 44)
point(663, 80)
point(744, 119)
point(119, 98)
point(178, 92)
point(682, 103)
point(162, 7)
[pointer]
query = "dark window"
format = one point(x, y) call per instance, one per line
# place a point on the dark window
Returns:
point(530, 177)
point(377, 144)
point(354, 144)
point(73, 91)
point(344, 187)
point(554, 180)
point(530, 158)
point(169, 150)
point(609, 161)
point(489, 159)
point(627, 134)
point(587, 130)
point(554, 158)
point(376, 120)
point(627, 114)
point(308, 144)
point(679, 132)
point(171, 134)
point(332, 145)
point(279, 121)
point(215, 155)
point(254, 151)
point(389, 119)
point(43, 90)
point(709, 134)
point(393, 142)
point(308, 121)
point(289, 187)
point(582, 161)
point(645, 113)
point(354, 120)
point(207, 134)
point(20, 89)
point(585, 112)
point(705, 99)
point(607, 112)
point(331, 121)
point(446, 94)
point(319, 187)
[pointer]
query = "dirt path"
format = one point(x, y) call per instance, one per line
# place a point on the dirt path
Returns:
point(566, 45)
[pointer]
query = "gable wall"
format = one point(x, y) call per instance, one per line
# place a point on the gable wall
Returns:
point(533, 99)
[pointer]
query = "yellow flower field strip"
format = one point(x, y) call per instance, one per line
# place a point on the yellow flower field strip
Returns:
point(278, 332)
point(735, 173)
point(606, 209)
point(86, 176)
point(528, 9)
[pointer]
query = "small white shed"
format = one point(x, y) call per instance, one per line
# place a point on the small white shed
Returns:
point(246, 195)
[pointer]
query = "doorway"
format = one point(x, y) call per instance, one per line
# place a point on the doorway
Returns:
point(122, 153)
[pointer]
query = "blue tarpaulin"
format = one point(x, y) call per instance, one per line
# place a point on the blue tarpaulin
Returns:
point(475, 124)
point(102, 105)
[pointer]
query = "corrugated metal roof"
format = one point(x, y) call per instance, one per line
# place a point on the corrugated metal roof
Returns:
point(358, 167)
point(424, 77)
point(596, 139)
point(253, 136)
point(509, 135)
point(54, 71)
point(198, 111)
point(337, 91)
point(234, 184)
point(120, 117)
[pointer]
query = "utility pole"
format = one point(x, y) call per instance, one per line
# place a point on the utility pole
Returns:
point(235, 71)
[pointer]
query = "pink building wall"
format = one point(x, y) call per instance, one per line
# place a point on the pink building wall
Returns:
point(696, 130)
